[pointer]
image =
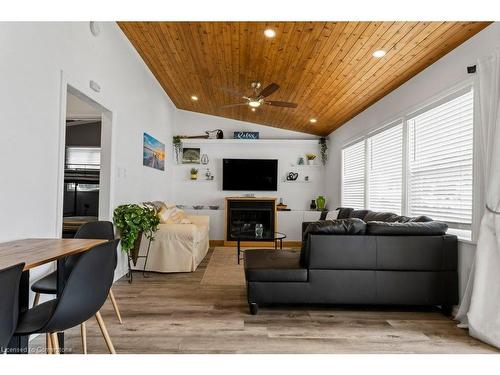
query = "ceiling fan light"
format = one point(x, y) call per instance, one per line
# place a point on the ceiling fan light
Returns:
point(194, 98)
point(254, 103)
point(313, 121)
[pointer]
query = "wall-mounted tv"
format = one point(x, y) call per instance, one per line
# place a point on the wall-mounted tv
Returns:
point(250, 174)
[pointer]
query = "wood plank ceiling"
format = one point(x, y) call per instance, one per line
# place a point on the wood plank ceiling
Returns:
point(325, 67)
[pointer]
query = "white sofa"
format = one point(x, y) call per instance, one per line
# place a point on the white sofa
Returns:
point(176, 247)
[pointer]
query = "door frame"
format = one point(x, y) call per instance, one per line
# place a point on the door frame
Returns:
point(106, 183)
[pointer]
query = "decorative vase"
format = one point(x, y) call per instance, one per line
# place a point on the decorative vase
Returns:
point(312, 206)
point(204, 159)
point(310, 161)
point(194, 176)
point(320, 203)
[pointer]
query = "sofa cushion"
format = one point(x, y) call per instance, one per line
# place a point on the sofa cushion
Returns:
point(344, 212)
point(431, 228)
point(382, 216)
point(340, 226)
point(274, 265)
point(359, 214)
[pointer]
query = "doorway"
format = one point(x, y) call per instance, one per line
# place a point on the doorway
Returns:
point(87, 159)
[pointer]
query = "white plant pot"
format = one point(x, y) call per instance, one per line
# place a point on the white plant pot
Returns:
point(310, 162)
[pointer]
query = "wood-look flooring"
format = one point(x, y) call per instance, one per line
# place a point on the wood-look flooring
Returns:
point(176, 313)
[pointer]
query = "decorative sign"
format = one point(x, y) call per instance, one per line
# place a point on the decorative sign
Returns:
point(246, 135)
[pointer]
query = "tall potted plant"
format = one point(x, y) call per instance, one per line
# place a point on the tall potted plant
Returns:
point(133, 220)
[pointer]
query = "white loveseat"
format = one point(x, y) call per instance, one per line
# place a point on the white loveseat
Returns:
point(176, 247)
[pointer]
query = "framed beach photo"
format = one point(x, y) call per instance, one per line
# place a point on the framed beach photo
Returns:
point(190, 156)
point(153, 154)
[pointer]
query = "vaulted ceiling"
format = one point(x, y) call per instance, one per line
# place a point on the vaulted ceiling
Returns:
point(327, 68)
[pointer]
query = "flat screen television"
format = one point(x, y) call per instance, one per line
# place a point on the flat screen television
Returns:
point(250, 174)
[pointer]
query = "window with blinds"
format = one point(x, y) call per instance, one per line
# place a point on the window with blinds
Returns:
point(83, 157)
point(353, 175)
point(385, 169)
point(440, 160)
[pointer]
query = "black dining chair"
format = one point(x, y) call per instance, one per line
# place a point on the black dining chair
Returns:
point(86, 290)
point(9, 302)
point(97, 230)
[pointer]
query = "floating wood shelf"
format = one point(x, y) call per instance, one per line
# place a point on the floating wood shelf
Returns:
point(249, 141)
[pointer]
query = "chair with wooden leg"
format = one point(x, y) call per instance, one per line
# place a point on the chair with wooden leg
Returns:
point(100, 230)
point(9, 302)
point(86, 290)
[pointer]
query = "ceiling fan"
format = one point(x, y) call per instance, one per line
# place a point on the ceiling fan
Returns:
point(258, 97)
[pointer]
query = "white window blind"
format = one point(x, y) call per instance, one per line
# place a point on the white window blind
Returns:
point(440, 161)
point(83, 157)
point(385, 170)
point(353, 175)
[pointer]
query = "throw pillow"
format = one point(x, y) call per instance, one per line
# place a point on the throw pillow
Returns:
point(332, 215)
point(164, 214)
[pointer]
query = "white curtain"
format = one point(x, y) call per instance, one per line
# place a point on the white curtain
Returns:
point(480, 307)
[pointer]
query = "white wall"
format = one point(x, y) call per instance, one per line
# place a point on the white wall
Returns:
point(33, 56)
point(437, 78)
point(297, 196)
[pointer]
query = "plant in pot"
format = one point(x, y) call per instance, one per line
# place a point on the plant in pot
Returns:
point(194, 174)
point(310, 159)
point(133, 220)
point(177, 145)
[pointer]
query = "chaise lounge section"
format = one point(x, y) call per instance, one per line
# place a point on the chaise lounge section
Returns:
point(394, 260)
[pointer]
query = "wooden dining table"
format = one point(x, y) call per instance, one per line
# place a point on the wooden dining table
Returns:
point(35, 252)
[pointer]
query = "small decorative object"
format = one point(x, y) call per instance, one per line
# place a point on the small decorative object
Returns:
point(153, 154)
point(204, 159)
point(190, 156)
point(194, 174)
point(300, 161)
point(292, 176)
point(312, 206)
point(181, 206)
point(306, 178)
point(323, 149)
point(320, 203)
point(208, 175)
point(177, 145)
point(132, 221)
point(281, 206)
point(246, 135)
point(213, 207)
point(249, 195)
point(259, 230)
point(215, 134)
point(310, 159)
point(198, 207)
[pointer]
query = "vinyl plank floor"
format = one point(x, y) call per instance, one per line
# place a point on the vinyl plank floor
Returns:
point(177, 313)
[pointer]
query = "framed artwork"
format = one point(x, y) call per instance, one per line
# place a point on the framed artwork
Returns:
point(190, 155)
point(153, 154)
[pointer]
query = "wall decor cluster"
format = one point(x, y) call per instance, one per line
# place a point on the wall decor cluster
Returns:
point(246, 135)
point(153, 154)
point(190, 155)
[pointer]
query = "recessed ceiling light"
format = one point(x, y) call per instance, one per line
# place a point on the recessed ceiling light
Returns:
point(313, 121)
point(253, 109)
point(194, 98)
point(379, 53)
point(270, 33)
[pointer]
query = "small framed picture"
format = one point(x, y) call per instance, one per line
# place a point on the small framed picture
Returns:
point(190, 156)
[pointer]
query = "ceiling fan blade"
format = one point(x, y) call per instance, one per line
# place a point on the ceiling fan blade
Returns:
point(281, 104)
point(232, 92)
point(268, 90)
point(232, 105)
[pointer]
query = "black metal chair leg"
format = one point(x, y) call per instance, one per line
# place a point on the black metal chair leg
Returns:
point(145, 261)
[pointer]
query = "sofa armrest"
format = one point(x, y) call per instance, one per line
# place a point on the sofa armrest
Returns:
point(200, 220)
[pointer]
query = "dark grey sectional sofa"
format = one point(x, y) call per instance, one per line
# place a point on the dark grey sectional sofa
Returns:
point(365, 258)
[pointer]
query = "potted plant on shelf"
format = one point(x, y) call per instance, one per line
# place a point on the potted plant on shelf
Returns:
point(133, 220)
point(310, 159)
point(194, 174)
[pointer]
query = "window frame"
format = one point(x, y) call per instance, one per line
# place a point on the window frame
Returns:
point(403, 118)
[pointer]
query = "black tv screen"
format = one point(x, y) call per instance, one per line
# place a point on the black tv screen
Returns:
point(250, 174)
